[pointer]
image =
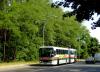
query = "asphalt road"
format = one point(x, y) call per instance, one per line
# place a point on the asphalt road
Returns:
point(76, 67)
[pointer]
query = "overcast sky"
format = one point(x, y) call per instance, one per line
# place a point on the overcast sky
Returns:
point(95, 32)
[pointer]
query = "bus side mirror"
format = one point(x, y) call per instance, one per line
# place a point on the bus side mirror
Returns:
point(52, 55)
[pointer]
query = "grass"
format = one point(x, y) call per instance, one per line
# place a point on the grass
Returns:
point(19, 62)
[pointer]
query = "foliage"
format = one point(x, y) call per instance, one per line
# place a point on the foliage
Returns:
point(94, 46)
point(83, 9)
point(22, 25)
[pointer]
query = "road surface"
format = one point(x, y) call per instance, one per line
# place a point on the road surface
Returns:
point(76, 67)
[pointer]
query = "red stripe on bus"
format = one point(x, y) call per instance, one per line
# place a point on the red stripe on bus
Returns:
point(44, 58)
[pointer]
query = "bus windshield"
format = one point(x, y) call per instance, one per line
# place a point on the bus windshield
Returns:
point(46, 52)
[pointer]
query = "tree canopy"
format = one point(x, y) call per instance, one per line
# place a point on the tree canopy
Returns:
point(24, 26)
point(82, 9)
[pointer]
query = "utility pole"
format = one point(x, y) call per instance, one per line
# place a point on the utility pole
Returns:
point(45, 23)
point(43, 34)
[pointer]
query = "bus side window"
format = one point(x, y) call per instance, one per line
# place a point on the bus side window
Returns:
point(57, 51)
point(69, 52)
point(63, 51)
point(60, 51)
point(66, 52)
point(72, 52)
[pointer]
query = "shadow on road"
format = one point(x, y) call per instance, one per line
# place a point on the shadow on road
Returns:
point(75, 67)
point(40, 65)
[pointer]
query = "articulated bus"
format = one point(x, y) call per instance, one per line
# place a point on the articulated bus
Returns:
point(51, 55)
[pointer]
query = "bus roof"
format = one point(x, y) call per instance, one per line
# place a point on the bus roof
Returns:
point(57, 47)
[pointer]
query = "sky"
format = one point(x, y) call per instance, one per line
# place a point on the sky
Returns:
point(94, 33)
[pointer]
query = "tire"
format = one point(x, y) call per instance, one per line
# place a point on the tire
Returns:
point(66, 61)
point(57, 61)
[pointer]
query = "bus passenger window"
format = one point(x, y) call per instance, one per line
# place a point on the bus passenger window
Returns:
point(57, 51)
point(66, 51)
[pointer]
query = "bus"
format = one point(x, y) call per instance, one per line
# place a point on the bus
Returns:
point(52, 55)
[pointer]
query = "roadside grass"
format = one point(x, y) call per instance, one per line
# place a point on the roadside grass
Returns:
point(25, 62)
point(78, 60)
point(18, 63)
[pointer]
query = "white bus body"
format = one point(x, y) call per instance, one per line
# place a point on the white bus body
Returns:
point(56, 55)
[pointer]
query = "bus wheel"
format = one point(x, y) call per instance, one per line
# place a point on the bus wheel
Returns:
point(57, 61)
point(66, 61)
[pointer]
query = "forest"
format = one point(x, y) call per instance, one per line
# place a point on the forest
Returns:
point(25, 25)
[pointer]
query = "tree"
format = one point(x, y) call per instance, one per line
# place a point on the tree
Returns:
point(83, 9)
point(25, 22)
point(94, 46)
